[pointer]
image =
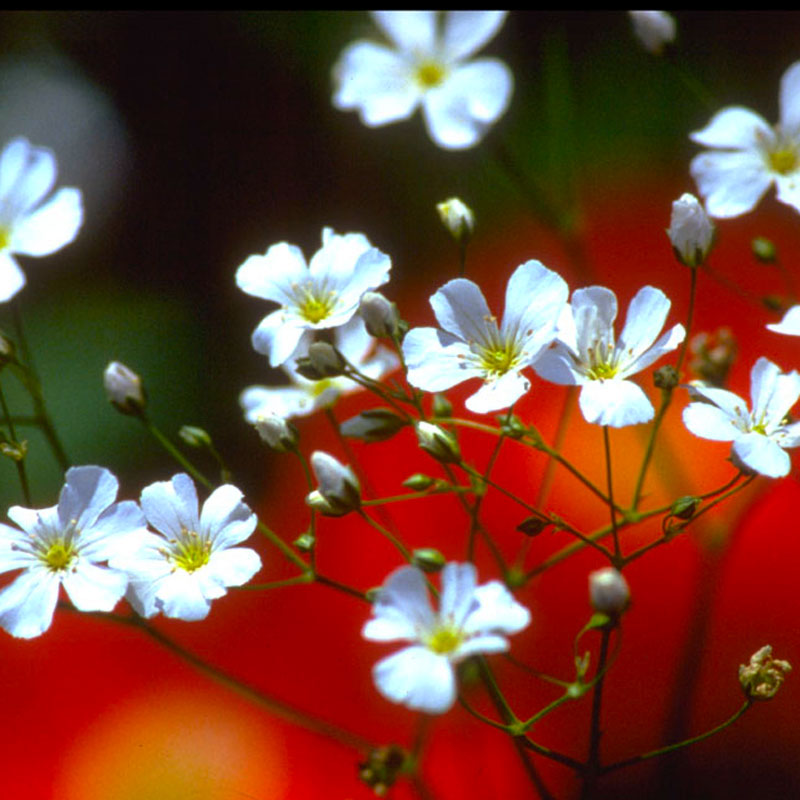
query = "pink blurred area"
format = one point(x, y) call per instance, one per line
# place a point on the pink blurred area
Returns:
point(95, 710)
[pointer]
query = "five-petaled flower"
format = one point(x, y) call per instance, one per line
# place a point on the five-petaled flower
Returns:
point(586, 354)
point(460, 99)
point(323, 294)
point(472, 345)
point(471, 620)
point(303, 397)
point(65, 545)
point(750, 155)
point(185, 566)
point(29, 225)
point(759, 436)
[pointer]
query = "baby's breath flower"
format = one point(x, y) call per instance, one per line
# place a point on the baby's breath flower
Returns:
point(750, 155)
point(64, 545)
point(653, 29)
point(29, 225)
point(471, 620)
point(763, 676)
point(338, 491)
point(427, 65)
point(691, 231)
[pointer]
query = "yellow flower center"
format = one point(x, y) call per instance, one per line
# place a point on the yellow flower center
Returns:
point(759, 427)
point(444, 640)
point(499, 359)
point(5, 238)
point(191, 551)
point(784, 161)
point(59, 555)
point(314, 304)
point(600, 372)
point(430, 74)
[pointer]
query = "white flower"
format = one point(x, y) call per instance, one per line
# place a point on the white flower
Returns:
point(759, 436)
point(458, 218)
point(691, 232)
point(751, 155)
point(790, 324)
point(473, 346)
point(65, 545)
point(185, 566)
point(324, 294)
point(471, 620)
point(338, 491)
point(29, 226)
point(653, 29)
point(303, 397)
point(424, 66)
point(586, 354)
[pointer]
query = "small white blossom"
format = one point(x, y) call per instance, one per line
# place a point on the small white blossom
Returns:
point(691, 231)
point(338, 491)
point(322, 294)
point(29, 225)
point(193, 557)
point(471, 620)
point(473, 346)
point(789, 325)
point(609, 592)
point(302, 396)
point(427, 66)
point(653, 29)
point(759, 436)
point(586, 353)
point(458, 218)
point(749, 155)
point(64, 545)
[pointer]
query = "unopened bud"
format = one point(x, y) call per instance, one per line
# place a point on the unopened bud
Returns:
point(419, 482)
point(458, 218)
point(338, 491)
point(609, 592)
point(323, 361)
point(442, 407)
point(124, 389)
point(533, 526)
point(379, 314)
point(764, 250)
point(653, 29)
point(438, 442)
point(373, 425)
point(763, 676)
point(8, 352)
point(277, 432)
point(428, 559)
point(713, 356)
point(691, 231)
point(666, 377)
point(194, 436)
point(382, 768)
point(684, 507)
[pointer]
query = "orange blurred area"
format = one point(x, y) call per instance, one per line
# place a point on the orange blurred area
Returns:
point(98, 711)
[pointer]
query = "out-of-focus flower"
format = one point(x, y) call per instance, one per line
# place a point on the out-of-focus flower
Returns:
point(749, 155)
point(124, 389)
point(458, 218)
point(691, 231)
point(303, 397)
point(440, 443)
point(759, 437)
point(322, 294)
point(653, 29)
point(193, 557)
point(790, 324)
point(64, 545)
point(585, 353)
point(277, 432)
point(473, 346)
point(460, 99)
point(338, 491)
point(609, 592)
point(763, 676)
point(471, 620)
point(29, 225)
point(380, 315)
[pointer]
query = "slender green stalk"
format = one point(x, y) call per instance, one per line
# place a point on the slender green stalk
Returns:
point(593, 768)
point(306, 577)
point(19, 462)
point(387, 534)
point(340, 587)
point(173, 451)
point(609, 478)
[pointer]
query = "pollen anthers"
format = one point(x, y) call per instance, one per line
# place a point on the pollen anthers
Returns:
point(444, 639)
point(190, 550)
point(430, 73)
point(314, 303)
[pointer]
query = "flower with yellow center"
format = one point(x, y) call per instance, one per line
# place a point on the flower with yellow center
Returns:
point(749, 155)
point(427, 65)
point(473, 345)
point(323, 294)
point(193, 557)
point(588, 355)
point(471, 620)
point(65, 546)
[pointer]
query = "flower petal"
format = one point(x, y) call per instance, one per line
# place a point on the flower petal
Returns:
point(461, 309)
point(498, 393)
point(665, 344)
point(234, 566)
point(87, 493)
point(12, 278)
point(485, 643)
point(760, 454)
point(734, 128)
point(645, 319)
point(33, 181)
point(277, 337)
point(615, 403)
point(710, 422)
point(171, 506)
point(418, 678)
point(790, 100)
point(497, 610)
point(437, 360)
point(788, 189)
point(27, 605)
point(732, 183)
point(179, 596)
point(402, 608)
point(50, 227)
point(94, 588)
point(273, 275)
point(466, 32)
point(557, 365)
point(412, 31)
point(458, 585)
point(790, 324)
point(225, 519)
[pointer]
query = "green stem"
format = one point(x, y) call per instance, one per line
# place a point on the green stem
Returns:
point(617, 552)
point(19, 462)
point(387, 534)
point(593, 768)
point(173, 451)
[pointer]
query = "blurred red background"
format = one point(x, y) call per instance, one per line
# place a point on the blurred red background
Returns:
point(95, 710)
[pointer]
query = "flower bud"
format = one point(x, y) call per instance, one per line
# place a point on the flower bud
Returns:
point(8, 352)
point(609, 592)
point(442, 407)
point(373, 425)
point(428, 559)
point(124, 389)
point(458, 218)
point(441, 444)
point(338, 492)
point(277, 432)
point(666, 377)
point(323, 361)
point(419, 482)
point(653, 29)
point(763, 676)
point(713, 356)
point(764, 250)
point(194, 436)
point(379, 314)
point(691, 231)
